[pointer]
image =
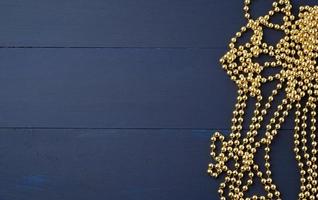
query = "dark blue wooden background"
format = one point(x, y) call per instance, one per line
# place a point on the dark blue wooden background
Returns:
point(117, 99)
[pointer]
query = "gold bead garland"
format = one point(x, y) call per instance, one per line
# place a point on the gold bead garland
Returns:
point(295, 55)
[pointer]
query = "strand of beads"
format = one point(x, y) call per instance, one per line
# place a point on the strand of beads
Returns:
point(296, 55)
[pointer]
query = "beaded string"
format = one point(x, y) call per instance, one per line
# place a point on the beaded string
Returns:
point(295, 55)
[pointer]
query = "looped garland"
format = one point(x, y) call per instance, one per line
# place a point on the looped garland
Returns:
point(295, 56)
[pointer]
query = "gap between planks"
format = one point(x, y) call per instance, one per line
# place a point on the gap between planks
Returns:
point(104, 47)
point(128, 128)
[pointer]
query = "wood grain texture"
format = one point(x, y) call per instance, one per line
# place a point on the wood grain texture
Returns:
point(113, 23)
point(123, 23)
point(114, 88)
point(120, 164)
point(117, 99)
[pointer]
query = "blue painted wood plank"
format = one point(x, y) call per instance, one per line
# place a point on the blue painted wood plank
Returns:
point(110, 23)
point(114, 88)
point(171, 87)
point(124, 23)
point(120, 164)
